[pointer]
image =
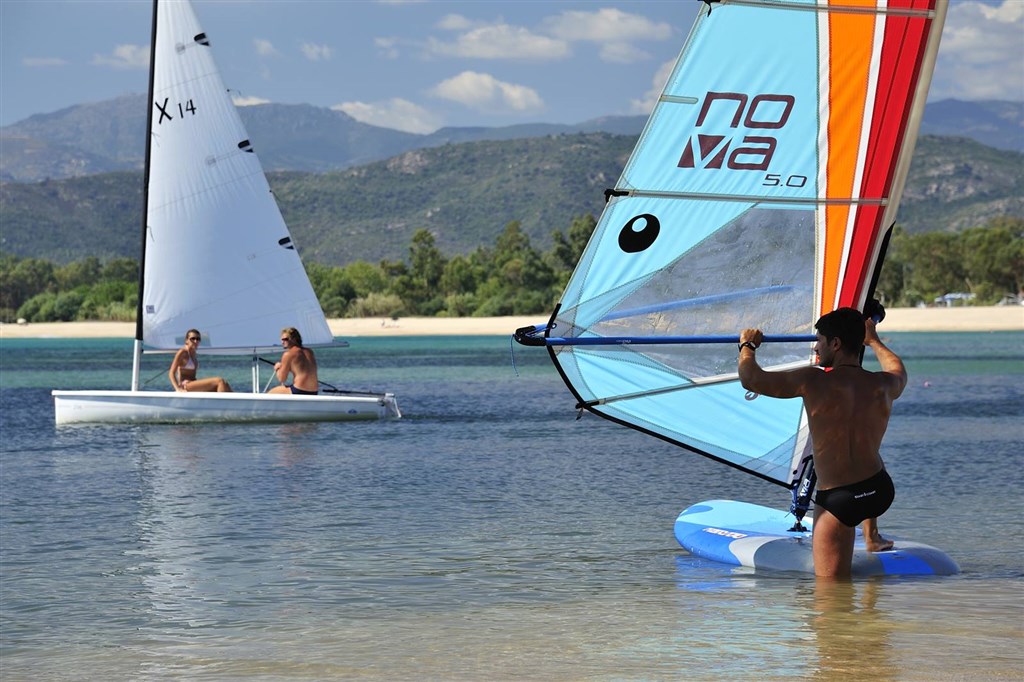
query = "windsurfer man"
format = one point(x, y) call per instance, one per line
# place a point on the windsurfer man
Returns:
point(848, 412)
point(298, 362)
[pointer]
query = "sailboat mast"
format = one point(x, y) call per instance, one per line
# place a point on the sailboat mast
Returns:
point(137, 355)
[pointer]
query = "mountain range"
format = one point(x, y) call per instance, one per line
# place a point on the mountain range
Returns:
point(109, 136)
point(71, 182)
point(464, 194)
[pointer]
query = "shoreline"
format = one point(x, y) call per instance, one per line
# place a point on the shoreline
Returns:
point(959, 319)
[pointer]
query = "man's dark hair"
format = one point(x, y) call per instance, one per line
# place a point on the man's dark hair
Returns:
point(846, 324)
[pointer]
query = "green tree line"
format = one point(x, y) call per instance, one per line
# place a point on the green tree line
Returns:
point(985, 261)
point(509, 278)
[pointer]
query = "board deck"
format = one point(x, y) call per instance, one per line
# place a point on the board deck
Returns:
point(744, 534)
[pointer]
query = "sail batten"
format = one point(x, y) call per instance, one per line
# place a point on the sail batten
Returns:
point(758, 195)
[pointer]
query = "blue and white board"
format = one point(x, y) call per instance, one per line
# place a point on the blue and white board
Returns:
point(744, 534)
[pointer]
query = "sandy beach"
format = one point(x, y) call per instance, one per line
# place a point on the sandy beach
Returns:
point(960, 319)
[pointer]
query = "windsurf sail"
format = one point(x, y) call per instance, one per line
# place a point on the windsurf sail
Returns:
point(759, 194)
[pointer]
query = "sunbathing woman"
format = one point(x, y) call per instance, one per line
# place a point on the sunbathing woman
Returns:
point(183, 369)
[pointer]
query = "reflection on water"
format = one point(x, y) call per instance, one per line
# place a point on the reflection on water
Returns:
point(851, 633)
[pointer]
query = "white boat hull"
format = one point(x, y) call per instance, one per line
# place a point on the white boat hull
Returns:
point(169, 407)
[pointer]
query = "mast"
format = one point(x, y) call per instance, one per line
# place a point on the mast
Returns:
point(137, 355)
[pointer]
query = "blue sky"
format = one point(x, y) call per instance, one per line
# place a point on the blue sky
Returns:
point(418, 66)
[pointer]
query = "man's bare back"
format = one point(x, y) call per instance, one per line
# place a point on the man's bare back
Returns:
point(299, 362)
point(848, 412)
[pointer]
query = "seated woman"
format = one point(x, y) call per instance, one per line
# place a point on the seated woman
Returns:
point(183, 369)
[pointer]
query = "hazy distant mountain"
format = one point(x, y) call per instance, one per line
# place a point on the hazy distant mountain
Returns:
point(993, 123)
point(464, 194)
point(110, 136)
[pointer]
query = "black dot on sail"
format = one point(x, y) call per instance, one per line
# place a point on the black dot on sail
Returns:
point(202, 39)
point(639, 233)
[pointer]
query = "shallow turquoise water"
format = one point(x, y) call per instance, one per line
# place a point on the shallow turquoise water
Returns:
point(488, 535)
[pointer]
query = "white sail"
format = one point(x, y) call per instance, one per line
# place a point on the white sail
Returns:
point(218, 255)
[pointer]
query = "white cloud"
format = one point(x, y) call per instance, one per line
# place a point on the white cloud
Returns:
point(981, 55)
point(454, 22)
point(248, 101)
point(616, 32)
point(395, 113)
point(606, 26)
point(33, 62)
point(388, 47)
point(650, 98)
point(316, 53)
point(125, 57)
point(623, 53)
point(501, 41)
point(265, 48)
point(484, 92)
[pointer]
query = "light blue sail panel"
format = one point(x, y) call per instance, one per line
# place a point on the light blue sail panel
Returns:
point(638, 391)
point(705, 244)
point(726, 130)
point(712, 268)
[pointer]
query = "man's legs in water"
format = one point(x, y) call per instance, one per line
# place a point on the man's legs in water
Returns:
point(832, 545)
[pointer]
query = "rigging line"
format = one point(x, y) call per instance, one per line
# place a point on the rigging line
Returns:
point(841, 9)
point(512, 353)
point(654, 194)
point(153, 378)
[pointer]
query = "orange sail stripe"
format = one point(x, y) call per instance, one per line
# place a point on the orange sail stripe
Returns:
point(902, 51)
point(852, 36)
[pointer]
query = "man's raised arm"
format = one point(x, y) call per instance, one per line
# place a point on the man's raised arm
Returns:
point(890, 362)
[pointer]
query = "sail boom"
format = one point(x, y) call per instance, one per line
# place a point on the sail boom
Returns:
point(667, 340)
point(242, 350)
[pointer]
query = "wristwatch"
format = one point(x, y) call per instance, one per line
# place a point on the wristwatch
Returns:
point(746, 344)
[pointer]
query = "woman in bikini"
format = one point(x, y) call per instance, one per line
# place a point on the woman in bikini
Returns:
point(183, 369)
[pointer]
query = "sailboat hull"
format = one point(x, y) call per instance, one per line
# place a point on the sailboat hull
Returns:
point(167, 407)
point(744, 534)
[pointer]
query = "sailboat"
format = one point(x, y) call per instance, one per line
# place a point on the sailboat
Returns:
point(761, 193)
point(216, 253)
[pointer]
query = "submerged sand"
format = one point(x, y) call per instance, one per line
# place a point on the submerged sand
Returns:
point(958, 319)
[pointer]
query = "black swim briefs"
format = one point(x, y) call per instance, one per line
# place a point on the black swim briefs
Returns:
point(299, 391)
point(853, 503)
